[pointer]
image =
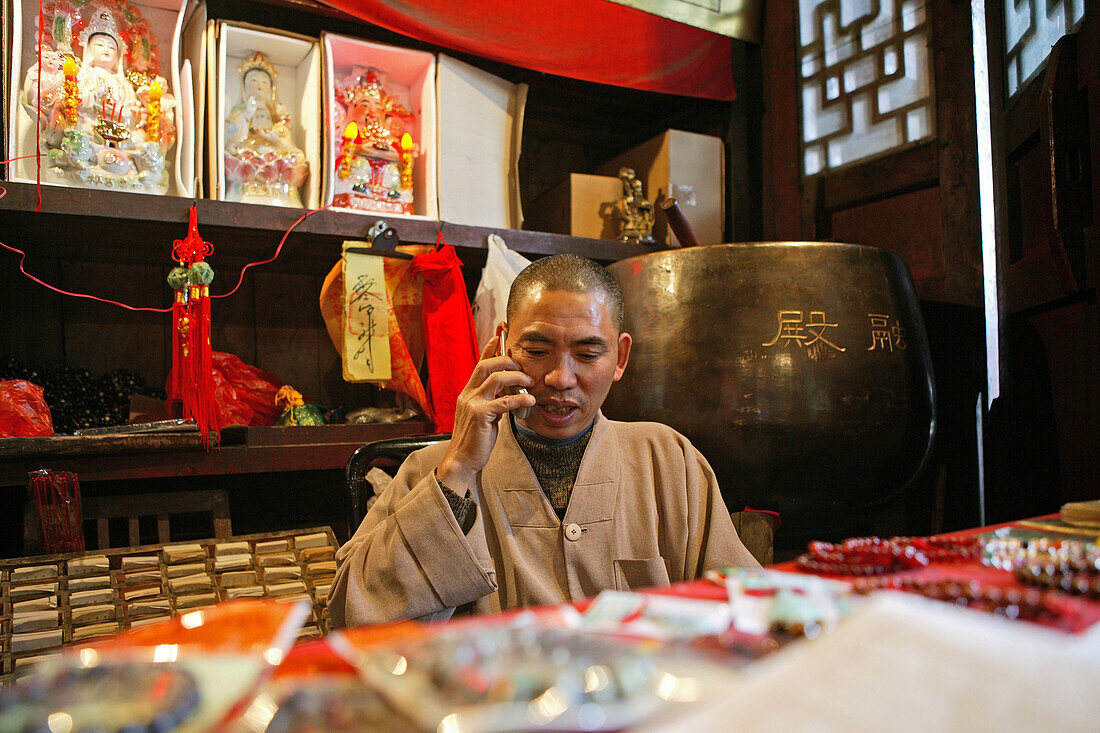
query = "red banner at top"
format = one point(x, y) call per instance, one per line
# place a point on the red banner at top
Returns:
point(593, 40)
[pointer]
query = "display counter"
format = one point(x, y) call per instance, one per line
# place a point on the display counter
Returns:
point(686, 657)
point(241, 450)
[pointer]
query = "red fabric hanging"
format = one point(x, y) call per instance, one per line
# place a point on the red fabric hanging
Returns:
point(593, 40)
point(450, 340)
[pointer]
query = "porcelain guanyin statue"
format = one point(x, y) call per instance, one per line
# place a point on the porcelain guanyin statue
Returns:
point(106, 118)
point(375, 150)
point(262, 163)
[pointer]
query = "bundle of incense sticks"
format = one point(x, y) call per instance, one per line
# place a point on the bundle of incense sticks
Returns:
point(57, 498)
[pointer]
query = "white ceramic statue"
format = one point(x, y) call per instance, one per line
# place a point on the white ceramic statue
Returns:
point(375, 149)
point(262, 163)
point(101, 125)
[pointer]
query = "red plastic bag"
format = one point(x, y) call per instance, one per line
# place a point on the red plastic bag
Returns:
point(23, 410)
point(243, 394)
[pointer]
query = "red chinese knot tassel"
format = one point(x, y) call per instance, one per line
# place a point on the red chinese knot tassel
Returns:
point(191, 383)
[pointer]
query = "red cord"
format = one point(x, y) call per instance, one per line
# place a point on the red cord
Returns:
point(23, 257)
point(278, 249)
point(43, 283)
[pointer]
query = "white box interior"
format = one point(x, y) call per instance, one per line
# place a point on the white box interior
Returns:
point(410, 77)
point(165, 19)
point(480, 129)
point(193, 29)
point(297, 61)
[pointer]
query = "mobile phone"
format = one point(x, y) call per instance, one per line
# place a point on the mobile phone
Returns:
point(520, 412)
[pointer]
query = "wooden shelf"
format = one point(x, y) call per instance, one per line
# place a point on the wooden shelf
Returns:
point(257, 450)
point(117, 226)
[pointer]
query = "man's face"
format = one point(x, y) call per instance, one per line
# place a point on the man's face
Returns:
point(102, 51)
point(568, 343)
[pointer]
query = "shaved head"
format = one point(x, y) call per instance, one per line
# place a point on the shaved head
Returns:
point(570, 273)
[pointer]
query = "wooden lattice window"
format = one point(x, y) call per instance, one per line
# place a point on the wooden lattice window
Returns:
point(866, 80)
point(1031, 28)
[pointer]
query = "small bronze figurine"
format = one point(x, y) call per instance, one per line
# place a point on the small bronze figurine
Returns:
point(633, 212)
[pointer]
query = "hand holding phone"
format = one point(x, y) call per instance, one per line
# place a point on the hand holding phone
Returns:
point(520, 412)
point(477, 416)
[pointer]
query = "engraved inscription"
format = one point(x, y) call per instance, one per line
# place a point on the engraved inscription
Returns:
point(887, 333)
point(804, 332)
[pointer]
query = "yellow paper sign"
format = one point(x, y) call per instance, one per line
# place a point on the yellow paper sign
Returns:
point(366, 348)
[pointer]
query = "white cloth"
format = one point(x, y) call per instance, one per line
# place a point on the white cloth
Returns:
point(491, 299)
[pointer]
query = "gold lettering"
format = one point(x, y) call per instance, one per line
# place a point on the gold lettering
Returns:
point(880, 332)
point(792, 328)
point(817, 320)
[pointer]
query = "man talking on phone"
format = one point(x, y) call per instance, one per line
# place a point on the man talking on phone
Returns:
point(538, 498)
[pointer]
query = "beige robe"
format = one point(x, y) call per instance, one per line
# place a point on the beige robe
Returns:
point(645, 511)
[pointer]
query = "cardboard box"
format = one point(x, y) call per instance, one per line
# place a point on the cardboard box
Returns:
point(197, 33)
point(480, 130)
point(688, 167)
point(578, 206)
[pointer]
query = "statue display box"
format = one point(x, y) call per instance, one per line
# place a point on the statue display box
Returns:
point(106, 99)
point(417, 135)
point(264, 121)
point(380, 154)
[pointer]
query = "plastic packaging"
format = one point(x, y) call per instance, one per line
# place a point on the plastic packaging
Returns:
point(319, 703)
point(491, 299)
point(186, 674)
point(315, 689)
point(529, 677)
point(109, 696)
point(57, 506)
point(244, 394)
point(23, 410)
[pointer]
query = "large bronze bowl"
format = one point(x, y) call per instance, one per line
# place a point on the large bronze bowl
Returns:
point(799, 369)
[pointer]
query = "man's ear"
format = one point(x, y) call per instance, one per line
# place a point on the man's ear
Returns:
point(623, 355)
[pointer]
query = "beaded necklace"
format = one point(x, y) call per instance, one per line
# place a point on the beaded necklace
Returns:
point(877, 556)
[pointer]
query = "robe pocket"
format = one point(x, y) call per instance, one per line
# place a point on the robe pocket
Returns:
point(527, 508)
point(637, 574)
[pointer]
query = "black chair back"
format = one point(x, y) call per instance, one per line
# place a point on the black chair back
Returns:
point(385, 454)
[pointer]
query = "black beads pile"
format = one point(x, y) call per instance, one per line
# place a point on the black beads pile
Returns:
point(79, 399)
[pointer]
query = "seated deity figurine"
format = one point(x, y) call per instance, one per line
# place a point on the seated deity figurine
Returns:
point(375, 151)
point(101, 125)
point(633, 213)
point(262, 163)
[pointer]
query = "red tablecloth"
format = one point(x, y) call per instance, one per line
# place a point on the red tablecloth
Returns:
point(1083, 613)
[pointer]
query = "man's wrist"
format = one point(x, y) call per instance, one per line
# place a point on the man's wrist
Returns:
point(460, 479)
point(462, 506)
